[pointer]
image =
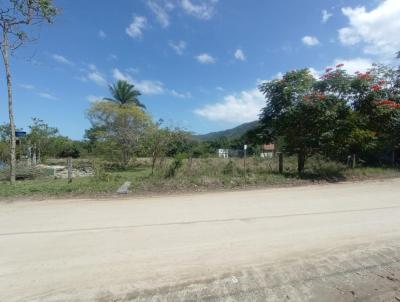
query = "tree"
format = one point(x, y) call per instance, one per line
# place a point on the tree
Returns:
point(156, 143)
point(123, 124)
point(311, 116)
point(39, 136)
point(376, 103)
point(284, 113)
point(92, 138)
point(16, 17)
point(124, 93)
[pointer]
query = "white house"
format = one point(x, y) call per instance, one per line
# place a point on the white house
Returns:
point(223, 153)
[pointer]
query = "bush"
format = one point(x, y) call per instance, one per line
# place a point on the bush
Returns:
point(175, 165)
point(69, 150)
point(100, 173)
point(229, 168)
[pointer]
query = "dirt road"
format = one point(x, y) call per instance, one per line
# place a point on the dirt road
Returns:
point(318, 243)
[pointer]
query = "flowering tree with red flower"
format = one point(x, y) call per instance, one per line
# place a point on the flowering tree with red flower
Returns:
point(336, 115)
point(309, 120)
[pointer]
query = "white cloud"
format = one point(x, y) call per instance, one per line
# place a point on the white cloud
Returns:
point(235, 108)
point(27, 86)
point(315, 73)
point(179, 47)
point(202, 9)
point(179, 95)
point(61, 59)
point(239, 55)
point(47, 96)
point(96, 76)
point(219, 88)
point(160, 10)
point(326, 16)
point(135, 29)
point(354, 65)
point(278, 75)
point(148, 87)
point(377, 29)
point(119, 76)
point(94, 98)
point(101, 34)
point(205, 58)
point(310, 40)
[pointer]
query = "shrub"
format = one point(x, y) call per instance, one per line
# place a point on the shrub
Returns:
point(229, 168)
point(175, 165)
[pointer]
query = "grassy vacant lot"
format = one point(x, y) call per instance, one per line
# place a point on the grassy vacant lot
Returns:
point(185, 176)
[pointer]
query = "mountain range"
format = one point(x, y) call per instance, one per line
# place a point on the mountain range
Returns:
point(233, 133)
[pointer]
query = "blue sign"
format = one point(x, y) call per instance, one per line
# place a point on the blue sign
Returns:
point(20, 133)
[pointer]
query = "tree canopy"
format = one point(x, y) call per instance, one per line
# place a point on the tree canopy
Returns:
point(336, 114)
point(125, 93)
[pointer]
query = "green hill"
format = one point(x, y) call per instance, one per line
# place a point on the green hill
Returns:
point(233, 133)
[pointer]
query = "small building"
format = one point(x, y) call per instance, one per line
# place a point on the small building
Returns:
point(223, 153)
point(268, 150)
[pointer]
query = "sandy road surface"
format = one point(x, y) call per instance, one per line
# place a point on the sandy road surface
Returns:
point(318, 243)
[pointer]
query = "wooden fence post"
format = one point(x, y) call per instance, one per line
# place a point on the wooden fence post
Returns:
point(353, 161)
point(69, 166)
point(280, 162)
point(394, 158)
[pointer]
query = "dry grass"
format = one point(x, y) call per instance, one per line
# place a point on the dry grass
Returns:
point(190, 175)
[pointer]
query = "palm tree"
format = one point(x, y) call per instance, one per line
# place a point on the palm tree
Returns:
point(125, 93)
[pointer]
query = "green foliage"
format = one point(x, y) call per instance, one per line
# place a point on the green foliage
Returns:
point(175, 165)
point(336, 115)
point(125, 93)
point(40, 135)
point(122, 124)
point(69, 150)
point(62, 146)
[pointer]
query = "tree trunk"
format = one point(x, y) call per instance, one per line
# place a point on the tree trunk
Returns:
point(393, 157)
point(4, 51)
point(153, 162)
point(125, 156)
point(34, 156)
point(301, 160)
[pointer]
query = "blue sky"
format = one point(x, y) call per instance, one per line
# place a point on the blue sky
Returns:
point(196, 62)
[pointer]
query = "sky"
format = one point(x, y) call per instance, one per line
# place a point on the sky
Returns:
point(197, 63)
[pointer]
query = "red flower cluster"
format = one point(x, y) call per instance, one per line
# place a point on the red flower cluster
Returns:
point(330, 75)
point(388, 103)
point(339, 65)
point(363, 76)
point(376, 87)
point(329, 69)
point(320, 96)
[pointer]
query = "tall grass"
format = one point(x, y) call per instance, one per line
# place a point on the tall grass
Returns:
point(172, 175)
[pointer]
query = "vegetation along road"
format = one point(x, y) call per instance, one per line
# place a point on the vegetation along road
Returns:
point(338, 242)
